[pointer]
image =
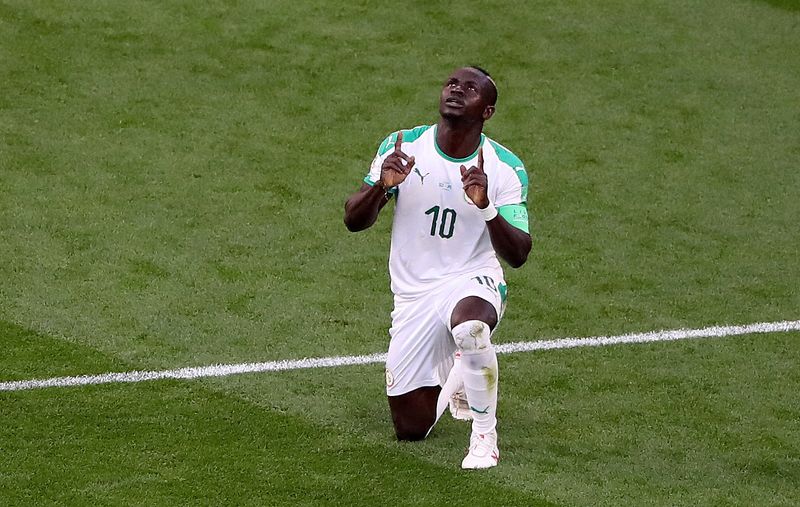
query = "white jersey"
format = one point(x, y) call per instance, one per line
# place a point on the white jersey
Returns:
point(437, 233)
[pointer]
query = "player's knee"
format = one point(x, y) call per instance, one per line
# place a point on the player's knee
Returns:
point(410, 432)
point(472, 336)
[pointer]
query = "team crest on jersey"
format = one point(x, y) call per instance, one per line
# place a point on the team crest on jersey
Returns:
point(446, 185)
point(389, 378)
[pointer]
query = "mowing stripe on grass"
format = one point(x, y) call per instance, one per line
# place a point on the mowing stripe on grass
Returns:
point(221, 370)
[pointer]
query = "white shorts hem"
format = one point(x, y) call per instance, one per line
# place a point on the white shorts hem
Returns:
point(411, 387)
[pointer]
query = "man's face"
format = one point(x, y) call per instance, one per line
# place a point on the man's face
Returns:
point(464, 96)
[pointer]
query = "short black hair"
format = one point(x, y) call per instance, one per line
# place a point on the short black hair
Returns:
point(492, 98)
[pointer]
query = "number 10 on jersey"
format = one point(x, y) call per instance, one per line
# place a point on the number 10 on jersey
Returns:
point(447, 223)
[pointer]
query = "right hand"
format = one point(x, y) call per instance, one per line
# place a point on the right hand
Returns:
point(396, 166)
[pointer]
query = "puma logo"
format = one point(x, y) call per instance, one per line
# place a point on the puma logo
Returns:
point(421, 176)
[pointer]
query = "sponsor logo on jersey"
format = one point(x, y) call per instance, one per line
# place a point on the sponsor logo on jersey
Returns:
point(421, 176)
point(446, 185)
point(389, 378)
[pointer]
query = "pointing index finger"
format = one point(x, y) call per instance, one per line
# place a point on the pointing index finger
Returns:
point(399, 141)
point(480, 159)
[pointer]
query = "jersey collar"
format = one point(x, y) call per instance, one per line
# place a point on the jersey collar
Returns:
point(449, 158)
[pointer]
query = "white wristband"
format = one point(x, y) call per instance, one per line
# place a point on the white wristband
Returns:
point(489, 212)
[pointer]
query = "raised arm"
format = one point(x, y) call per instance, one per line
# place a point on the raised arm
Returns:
point(362, 208)
point(511, 243)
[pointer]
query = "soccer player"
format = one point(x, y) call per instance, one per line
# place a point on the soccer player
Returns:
point(460, 203)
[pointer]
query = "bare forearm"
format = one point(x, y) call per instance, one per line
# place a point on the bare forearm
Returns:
point(362, 208)
point(512, 244)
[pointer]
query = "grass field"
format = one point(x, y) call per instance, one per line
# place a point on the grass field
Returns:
point(172, 180)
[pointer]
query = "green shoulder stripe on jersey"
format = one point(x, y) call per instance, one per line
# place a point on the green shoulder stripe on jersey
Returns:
point(371, 183)
point(409, 136)
point(505, 156)
point(516, 215)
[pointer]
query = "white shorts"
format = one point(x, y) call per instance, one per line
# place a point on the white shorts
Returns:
point(421, 347)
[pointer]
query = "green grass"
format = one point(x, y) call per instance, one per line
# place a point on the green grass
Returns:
point(172, 178)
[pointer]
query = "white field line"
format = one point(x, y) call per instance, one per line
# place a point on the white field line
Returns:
point(221, 370)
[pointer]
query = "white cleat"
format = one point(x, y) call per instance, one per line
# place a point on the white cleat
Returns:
point(483, 451)
point(459, 408)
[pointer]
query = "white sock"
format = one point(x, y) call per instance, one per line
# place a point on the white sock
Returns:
point(449, 388)
point(480, 373)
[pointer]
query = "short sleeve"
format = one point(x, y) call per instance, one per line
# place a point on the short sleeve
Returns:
point(384, 150)
point(513, 188)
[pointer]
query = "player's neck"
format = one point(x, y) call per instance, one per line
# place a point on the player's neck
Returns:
point(458, 139)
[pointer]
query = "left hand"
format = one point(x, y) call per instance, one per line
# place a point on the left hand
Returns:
point(475, 182)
